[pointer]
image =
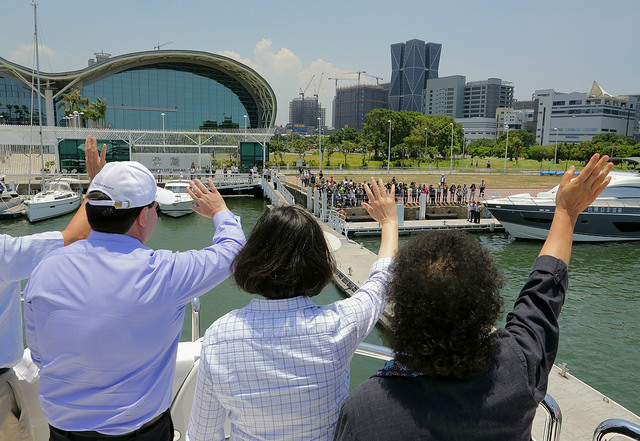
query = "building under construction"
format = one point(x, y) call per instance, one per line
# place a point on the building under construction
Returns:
point(351, 104)
point(307, 111)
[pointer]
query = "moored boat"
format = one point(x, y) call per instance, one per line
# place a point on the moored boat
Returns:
point(11, 203)
point(57, 198)
point(183, 201)
point(614, 215)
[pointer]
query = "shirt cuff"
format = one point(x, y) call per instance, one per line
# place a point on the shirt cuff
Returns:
point(223, 215)
point(551, 265)
point(381, 264)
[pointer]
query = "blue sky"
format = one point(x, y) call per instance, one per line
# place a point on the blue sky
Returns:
point(563, 45)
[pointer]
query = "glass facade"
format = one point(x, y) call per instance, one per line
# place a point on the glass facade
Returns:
point(191, 97)
point(16, 103)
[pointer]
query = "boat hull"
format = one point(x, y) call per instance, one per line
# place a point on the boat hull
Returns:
point(596, 224)
point(37, 211)
point(177, 209)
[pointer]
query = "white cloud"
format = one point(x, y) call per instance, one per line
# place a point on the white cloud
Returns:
point(286, 74)
point(24, 54)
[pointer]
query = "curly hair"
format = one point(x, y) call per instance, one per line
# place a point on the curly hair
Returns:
point(286, 255)
point(445, 292)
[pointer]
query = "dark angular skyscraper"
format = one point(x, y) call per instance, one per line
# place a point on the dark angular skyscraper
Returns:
point(412, 64)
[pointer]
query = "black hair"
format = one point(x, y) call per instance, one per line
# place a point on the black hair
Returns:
point(108, 219)
point(286, 255)
point(445, 293)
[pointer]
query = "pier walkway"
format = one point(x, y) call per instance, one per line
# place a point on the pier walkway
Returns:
point(582, 407)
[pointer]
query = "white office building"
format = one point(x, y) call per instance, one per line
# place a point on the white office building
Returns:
point(444, 96)
point(577, 117)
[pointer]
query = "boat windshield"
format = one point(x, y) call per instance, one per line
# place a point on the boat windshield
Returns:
point(58, 186)
point(177, 189)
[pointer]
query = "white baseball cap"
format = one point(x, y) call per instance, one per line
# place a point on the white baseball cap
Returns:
point(129, 184)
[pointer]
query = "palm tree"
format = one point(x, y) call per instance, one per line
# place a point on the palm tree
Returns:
point(100, 107)
point(73, 102)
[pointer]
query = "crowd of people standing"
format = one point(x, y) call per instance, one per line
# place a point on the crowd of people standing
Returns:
point(347, 193)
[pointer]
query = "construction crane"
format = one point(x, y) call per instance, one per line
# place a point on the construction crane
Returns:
point(359, 73)
point(373, 76)
point(163, 44)
point(338, 79)
point(318, 88)
point(302, 92)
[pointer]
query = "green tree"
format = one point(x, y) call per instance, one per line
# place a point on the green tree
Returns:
point(541, 152)
point(329, 149)
point(300, 146)
point(346, 147)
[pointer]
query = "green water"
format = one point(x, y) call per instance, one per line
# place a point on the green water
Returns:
point(600, 334)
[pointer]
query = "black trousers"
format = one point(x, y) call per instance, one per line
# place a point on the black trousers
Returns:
point(159, 430)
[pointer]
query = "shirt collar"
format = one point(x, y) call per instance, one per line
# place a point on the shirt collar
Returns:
point(265, 305)
point(122, 239)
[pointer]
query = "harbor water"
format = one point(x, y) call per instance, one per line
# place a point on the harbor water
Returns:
point(600, 332)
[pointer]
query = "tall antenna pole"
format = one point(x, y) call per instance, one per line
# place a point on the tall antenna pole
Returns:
point(35, 22)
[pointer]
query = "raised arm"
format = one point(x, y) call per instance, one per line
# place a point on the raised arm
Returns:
point(574, 196)
point(209, 201)
point(382, 208)
point(78, 227)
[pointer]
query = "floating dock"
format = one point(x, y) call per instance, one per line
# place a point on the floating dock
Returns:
point(486, 225)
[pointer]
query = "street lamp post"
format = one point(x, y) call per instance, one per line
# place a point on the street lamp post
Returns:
point(320, 144)
point(451, 154)
point(389, 152)
point(245, 126)
point(555, 155)
point(163, 138)
point(426, 137)
point(506, 148)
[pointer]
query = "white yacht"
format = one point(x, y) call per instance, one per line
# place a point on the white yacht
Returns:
point(613, 216)
point(11, 203)
point(183, 201)
point(60, 196)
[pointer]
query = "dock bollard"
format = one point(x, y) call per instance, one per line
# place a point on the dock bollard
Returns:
point(492, 226)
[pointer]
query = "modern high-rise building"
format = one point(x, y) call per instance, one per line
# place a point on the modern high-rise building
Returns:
point(482, 98)
point(351, 104)
point(444, 96)
point(576, 117)
point(306, 111)
point(412, 64)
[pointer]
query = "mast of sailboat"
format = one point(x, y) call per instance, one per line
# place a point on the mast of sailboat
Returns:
point(35, 22)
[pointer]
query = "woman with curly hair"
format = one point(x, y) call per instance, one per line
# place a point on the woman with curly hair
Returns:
point(455, 377)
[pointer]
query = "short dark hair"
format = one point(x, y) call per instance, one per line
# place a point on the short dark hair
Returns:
point(106, 219)
point(445, 293)
point(286, 255)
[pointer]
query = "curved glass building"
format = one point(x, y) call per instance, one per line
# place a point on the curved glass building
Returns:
point(154, 90)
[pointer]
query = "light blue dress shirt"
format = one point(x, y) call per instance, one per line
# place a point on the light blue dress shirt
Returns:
point(103, 320)
point(18, 257)
point(280, 368)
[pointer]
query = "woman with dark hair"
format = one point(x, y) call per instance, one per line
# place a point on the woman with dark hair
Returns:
point(454, 376)
point(280, 366)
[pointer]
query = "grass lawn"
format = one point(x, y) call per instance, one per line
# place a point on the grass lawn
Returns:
point(523, 174)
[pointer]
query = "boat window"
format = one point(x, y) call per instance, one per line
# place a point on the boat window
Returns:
point(627, 227)
point(621, 192)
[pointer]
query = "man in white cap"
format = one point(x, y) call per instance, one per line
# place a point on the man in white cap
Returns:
point(103, 317)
